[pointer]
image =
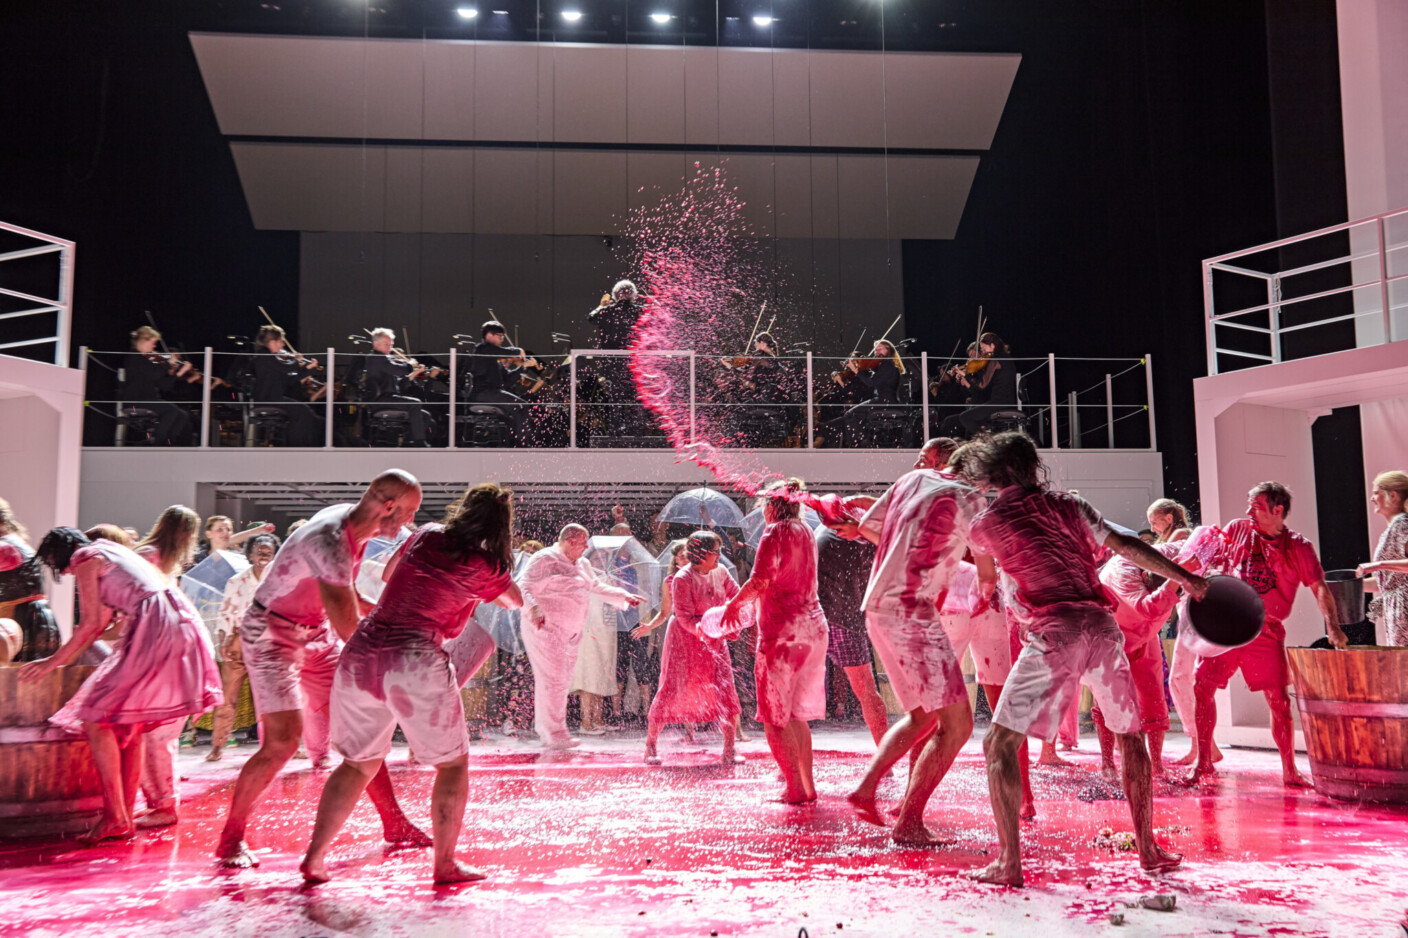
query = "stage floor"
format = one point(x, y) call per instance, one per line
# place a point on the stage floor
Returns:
point(599, 844)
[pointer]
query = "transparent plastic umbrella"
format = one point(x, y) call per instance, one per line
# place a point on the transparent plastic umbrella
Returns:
point(503, 624)
point(704, 508)
point(626, 563)
point(753, 525)
point(663, 562)
point(205, 582)
point(375, 556)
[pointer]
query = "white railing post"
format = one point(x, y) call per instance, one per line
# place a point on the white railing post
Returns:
point(329, 395)
point(1273, 314)
point(1051, 378)
point(454, 427)
point(66, 301)
point(1109, 412)
point(205, 399)
point(691, 398)
point(1383, 281)
point(811, 412)
point(572, 401)
point(1149, 389)
point(1073, 437)
point(1207, 316)
point(924, 391)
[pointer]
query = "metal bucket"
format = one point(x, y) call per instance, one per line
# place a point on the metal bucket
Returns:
point(1230, 616)
point(1348, 591)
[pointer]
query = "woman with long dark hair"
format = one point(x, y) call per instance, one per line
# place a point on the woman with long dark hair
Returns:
point(22, 590)
point(396, 670)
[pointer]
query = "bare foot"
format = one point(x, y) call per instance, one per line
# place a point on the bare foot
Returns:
point(1190, 758)
point(1159, 860)
point(1216, 753)
point(865, 806)
point(322, 762)
point(236, 856)
point(1110, 774)
point(917, 835)
point(1028, 810)
point(651, 757)
point(106, 830)
point(456, 872)
point(315, 872)
point(406, 834)
point(999, 874)
point(732, 758)
point(790, 796)
point(1198, 773)
point(1050, 758)
point(1294, 779)
point(162, 817)
point(738, 733)
point(215, 755)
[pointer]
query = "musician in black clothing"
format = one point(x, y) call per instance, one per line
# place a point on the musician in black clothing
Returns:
point(883, 380)
point(390, 378)
point(491, 377)
point(279, 379)
point(615, 316)
point(148, 378)
point(993, 388)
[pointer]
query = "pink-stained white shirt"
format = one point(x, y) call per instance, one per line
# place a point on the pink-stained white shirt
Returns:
point(922, 522)
point(1140, 612)
point(319, 552)
point(239, 593)
point(1046, 544)
point(563, 589)
point(786, 558)
point(1274, 566)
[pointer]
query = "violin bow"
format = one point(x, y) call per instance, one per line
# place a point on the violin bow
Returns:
point(287, 344)
point(889, 330)
point(747, 349)
point(151, 320)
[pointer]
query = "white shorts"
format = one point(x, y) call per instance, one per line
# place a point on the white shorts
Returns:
point(986, 634)
point(290, 666)
point(1077, 644)
point(919, 661)
point(379, 686)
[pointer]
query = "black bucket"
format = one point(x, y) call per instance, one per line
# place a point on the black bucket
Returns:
point(1229, 616)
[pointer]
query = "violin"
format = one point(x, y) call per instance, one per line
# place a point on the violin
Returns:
point(854, 366)
point(289, 357)
point(175, 364)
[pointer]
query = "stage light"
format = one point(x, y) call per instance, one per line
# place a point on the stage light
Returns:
point(467, 13)
point(661, 18)
point(572, 16)
point(762, 20)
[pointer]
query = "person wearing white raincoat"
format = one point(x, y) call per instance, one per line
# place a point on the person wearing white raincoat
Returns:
point(558, 584)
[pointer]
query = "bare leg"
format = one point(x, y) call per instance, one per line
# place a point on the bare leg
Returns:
point(1005, 788)
point(281, 734)
point(133, 761)
point(1283, 731)
point(1206, 709)
point(652, 738)
point(1107, 749)
point(738, 729)
point(802, 735)
point(730, 755)
point(447, 818)
point(955, 725)
point(1155, 735)
point(340, 796)
point(109, 759)
point(899, 739)
point(784, 751)
point(1139, 792)
point(872, 705)
point(1024, 759)
point(1049, 756)
point(396, 828)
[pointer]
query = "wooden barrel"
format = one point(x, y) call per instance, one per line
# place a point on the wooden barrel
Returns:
point(48, 782)
point(1354, 715)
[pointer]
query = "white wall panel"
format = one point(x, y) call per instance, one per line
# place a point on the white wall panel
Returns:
point(655, 89)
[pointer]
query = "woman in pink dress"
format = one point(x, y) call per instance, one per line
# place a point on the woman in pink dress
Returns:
point(163, 668)
point(790, 666)
point(696, 673)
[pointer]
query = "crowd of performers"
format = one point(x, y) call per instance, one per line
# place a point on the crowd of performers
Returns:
point(754, 399)
point(969, 551)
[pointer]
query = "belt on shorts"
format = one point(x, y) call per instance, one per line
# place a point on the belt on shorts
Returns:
point(285, 620)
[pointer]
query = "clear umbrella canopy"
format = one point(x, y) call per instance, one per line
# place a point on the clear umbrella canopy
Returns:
point(753, 525)
point(703, 508)
point(205, 582)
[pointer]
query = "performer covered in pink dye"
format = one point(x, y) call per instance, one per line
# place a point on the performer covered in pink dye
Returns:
point(1259, 549)
point(1143, 608)
point(790, 666)
point(920, 529)
point(1046, 543)
point(306, 602)
point(395, 670)
point(696, 672)
point(162, 669)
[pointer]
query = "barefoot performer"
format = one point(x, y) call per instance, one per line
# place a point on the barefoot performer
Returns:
point(790, 665)
point(696, 672)
point(396, 670)
point(306, 602)
point(1046, 543)
point(1276, 561)
point(920, 529)
point(162, 670)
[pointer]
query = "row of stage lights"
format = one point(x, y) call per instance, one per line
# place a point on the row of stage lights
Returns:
point(573, 16)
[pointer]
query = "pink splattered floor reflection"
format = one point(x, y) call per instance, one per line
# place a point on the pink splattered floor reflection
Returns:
point(599, 844)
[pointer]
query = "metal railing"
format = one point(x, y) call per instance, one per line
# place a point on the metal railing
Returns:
point(1259, 303)
point(59, 305)
point(1066, 403)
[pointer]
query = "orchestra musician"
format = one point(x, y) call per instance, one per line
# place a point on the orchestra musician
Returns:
point(760, 377)
point(991, 379)
point(390, 378)
point(281, 379)
point(615, 318)
point(491, 375)
point(148, 377)
point(880, 373)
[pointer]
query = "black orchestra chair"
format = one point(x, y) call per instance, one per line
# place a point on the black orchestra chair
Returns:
point(483, 425)
point(385, 424)
point(140, 421)
point(266, 425)
point(1019, 419)
point(891, 427)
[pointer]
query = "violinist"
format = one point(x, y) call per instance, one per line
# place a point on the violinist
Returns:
point(390, 378)
point(281, 378)
point(880, 373)
point(490, 373)
point(991, 379)
point(760, 379)
point(147, 378)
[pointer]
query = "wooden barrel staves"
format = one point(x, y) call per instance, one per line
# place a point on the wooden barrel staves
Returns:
point(1354, 715)
point(48, 782)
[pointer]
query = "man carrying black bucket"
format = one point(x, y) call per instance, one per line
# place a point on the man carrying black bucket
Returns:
point(1275, 561)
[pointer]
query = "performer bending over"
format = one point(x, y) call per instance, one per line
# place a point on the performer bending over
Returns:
point(1046, 543)
point(790, 666)
point(1276, 561)
point(696, 673)
point(920, 529)
point(289, 637)
point(162, 671)
point(558, 584)
point(395, 670)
